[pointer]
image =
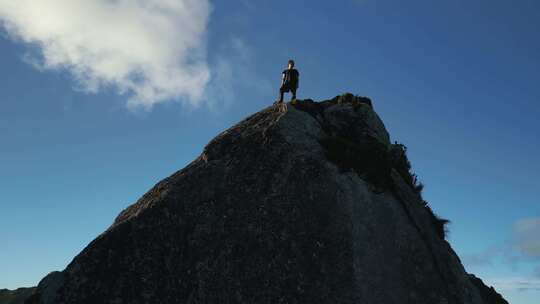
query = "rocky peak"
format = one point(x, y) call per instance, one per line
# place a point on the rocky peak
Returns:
point(304, 203)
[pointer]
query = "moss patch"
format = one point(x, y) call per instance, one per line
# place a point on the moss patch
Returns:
point(355, 100)
point(439, 224)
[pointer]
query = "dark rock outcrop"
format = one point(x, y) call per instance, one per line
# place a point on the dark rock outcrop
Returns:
point(17, 296)
point(295, 204)
point(488, 294)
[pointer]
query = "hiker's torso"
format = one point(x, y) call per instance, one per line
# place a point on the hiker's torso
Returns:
point(290, 77)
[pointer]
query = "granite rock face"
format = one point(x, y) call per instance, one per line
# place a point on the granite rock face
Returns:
point(294, 204)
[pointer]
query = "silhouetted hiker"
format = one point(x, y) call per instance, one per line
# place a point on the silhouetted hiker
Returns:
point(289, 82)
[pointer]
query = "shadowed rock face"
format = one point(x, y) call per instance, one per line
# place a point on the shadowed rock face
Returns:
point(294, 204)
point(17, 296)
point(488, 294)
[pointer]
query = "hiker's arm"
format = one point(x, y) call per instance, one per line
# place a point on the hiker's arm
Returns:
point(282, 79)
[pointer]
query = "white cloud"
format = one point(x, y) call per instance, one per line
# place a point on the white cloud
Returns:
point(151, 50)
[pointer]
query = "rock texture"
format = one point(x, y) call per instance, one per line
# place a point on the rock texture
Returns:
point(308, 203)
point(17, 296)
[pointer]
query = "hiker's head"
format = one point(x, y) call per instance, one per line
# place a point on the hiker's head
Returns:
point(291, 64)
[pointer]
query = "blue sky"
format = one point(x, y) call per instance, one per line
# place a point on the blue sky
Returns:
point(456, 81)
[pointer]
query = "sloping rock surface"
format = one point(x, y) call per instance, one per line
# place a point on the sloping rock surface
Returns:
point(488, 294)
point(294, 204)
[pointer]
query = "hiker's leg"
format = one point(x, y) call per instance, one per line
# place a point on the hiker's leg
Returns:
point(293, 91)
point(281, 92)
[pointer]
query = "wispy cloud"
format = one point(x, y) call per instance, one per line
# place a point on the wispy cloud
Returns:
point(234, 70)
point(537, 272)
point(150, 50)
point(515, 283)
point(520, 250)
point(527, 237)
point(522, 245)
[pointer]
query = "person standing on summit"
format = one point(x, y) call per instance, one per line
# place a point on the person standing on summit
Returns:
point(289, 82)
